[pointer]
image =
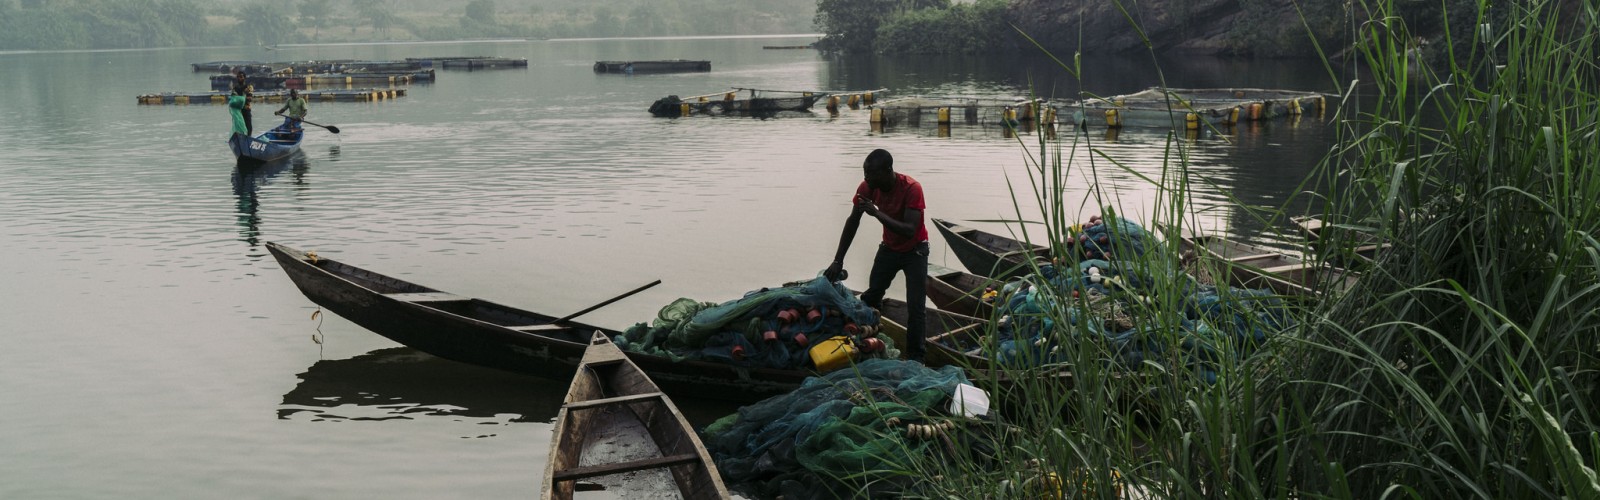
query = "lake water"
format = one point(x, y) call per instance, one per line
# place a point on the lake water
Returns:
point(151, 348)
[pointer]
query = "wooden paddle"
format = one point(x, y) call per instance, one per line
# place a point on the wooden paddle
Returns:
point(564, 319)
point(330, 128)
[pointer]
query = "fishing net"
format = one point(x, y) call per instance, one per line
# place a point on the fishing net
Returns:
point(838, 435)
point(770, 327)
point(235, 109)
point(1103, 299)
point(1113, 236)
point(668, 106)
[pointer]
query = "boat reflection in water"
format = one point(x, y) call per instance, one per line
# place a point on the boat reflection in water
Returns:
point(247, 182)
point(404, 383)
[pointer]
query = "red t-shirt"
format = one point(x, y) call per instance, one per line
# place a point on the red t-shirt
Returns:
point(906, 195)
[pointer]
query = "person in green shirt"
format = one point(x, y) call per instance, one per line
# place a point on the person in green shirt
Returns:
point(296, 109)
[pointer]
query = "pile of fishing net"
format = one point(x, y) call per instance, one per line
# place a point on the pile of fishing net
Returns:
point(768, 328)
point(669, 106)
point(839, 435)
point(1109, 237)
point(1101, 299)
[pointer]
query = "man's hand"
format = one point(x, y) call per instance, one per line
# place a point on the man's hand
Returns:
point(866, 206)
point(835, 272)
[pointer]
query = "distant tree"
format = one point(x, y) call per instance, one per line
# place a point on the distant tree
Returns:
point(644, 20)
point(481, 11)
point(852, 25)
point(315, 13)
point(606, 22)
point(378, 13)
point(263, 24)
point(186, 19)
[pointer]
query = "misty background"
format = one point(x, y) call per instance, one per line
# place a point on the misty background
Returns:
point(113, 24)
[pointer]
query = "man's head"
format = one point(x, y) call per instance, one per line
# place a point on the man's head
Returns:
point(878, 170)
point(294, 93)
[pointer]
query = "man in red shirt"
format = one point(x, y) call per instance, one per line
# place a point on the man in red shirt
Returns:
point(896, 201)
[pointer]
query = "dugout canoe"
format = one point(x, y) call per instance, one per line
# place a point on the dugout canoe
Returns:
point(272, 145)
point(484, 333)
point(952, 339)
point(1253, 266)
point(618, 431)
point(1356, 248)
point(988, 254)
point(960, 292)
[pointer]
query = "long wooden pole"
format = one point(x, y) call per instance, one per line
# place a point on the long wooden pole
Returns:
point(564, 319)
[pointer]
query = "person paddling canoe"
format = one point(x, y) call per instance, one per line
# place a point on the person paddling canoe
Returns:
point(296, 108)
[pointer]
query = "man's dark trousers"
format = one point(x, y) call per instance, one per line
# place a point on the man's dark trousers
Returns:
point(914, 265)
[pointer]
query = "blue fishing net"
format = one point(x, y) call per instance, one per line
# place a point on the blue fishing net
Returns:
point(1111, 238)
point(1098, 298)
point(770, 327)
point(836, 436)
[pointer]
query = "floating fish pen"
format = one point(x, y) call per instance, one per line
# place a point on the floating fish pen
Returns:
point(224, 66)
point(409, 64)
point(273, 96)
point(758, 102)
point(301, 81)
point(1195, 109)
point(632, 67)
point(375, 66)
point(483, 63)
point(915, 111)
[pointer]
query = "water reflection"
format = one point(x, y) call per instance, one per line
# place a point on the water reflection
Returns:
point(247, 182)
point(403, 383)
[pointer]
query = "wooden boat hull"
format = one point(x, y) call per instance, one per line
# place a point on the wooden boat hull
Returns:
point(1364, 251)
point(949, 335)
point(960, 292)
point(275, 144)
point(487, 334)
point(988, 254)
point(617, 427)
point(1251, 266)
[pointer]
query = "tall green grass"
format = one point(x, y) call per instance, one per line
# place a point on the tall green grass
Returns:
point(1465, 363)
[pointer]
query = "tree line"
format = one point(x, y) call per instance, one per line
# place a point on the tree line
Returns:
point(104, 24)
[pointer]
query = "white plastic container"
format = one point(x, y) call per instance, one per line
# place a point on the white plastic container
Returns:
point(969, 401)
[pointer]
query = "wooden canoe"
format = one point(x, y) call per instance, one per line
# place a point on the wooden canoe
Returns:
point(1365, 247)
point(989, 254)
point(951, 338)
point(272, 145)
point(484, 333)
point(960, 292)
point(616, 429)
point(1251, 266)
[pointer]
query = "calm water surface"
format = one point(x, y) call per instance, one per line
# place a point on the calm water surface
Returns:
point(151, 348)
